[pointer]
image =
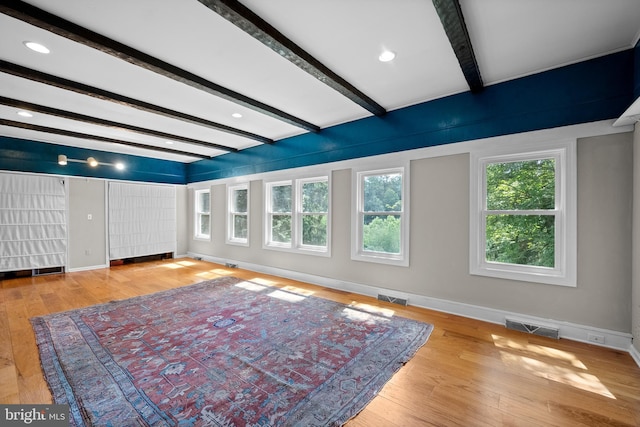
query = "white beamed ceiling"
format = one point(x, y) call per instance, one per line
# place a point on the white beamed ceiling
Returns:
point(510, 38)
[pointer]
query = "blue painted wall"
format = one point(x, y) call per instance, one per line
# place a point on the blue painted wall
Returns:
point(29, 156)
point(598, 89)
point(593, 90)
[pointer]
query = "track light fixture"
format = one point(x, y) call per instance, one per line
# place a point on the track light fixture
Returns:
point(91, 161)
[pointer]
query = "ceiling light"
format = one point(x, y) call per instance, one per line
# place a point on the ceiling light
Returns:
point(386, 56)
point(37, 47)
point(91, 161)
point(25, 114)
point(169, 142)
point(236, 115)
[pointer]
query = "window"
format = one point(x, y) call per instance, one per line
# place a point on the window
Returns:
point(523, 216)
point(314, 211)
point(203, 215)
point(380, 217)
point(279, 214)
point(238, 219)
point(297, 215)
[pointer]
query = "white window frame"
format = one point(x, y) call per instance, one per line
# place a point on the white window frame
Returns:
point(198, 215)
point(357, 251)
point(231, 239)
point(296, 213)
point(564, 271)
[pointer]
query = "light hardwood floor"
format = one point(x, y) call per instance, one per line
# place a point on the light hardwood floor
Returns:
point(469, 373)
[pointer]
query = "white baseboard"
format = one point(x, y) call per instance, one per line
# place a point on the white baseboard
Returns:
point(97, 267)
point(87, 268)
point(635, 354)
point(572, 331)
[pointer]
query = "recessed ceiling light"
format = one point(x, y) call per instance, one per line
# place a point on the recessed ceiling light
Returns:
point(386, 56)
point(169, 142)
point(37, 47)
point(236, 115)
point(25, 114)
point(119, 166)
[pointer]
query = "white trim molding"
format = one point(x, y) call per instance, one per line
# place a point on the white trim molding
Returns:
point(635, 354)
point(87, 268)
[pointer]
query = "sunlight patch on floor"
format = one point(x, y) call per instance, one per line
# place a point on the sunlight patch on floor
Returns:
point(296, 290)
point(562, 375)
point(207, 275)
point(186, 263)
point(262, 281)
point(362, 316)
point(287, 296)
point(172, 265)
point(506, 343)
point(222, 271)
point(386, 312)
point(250, 286)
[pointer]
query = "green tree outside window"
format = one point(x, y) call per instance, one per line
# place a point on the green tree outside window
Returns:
point(381, 227)
point(520, 219)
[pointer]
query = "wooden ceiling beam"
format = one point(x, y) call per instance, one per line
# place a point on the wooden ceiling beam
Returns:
point(108, 123)
point(450, 14)
point(245, 19)
point(72, 134)
point(83, 89)
point(57, 25)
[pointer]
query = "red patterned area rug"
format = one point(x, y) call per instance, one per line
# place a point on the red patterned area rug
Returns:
point(225, 352)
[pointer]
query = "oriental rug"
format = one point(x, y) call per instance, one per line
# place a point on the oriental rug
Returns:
point(224, 352)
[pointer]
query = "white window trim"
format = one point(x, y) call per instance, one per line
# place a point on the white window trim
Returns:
point(197, 213)
point(564, 272)
point(357, 253)
point(231, 240)
point(296, 245)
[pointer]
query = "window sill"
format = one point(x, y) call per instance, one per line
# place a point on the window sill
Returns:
point(301, 251)
point(541, 277)
point(380, 259)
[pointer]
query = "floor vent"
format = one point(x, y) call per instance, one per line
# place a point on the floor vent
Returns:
point(395, 300)
point(543, 331)
point(45, 271)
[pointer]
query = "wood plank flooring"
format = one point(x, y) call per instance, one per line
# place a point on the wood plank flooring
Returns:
point(470, 373)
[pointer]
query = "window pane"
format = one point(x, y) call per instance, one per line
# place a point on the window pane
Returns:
point(521, 239)
point(240, 200)
point(315, 197)
point(204, 205)
point(521, 185)
point(281, 228)
point(381, 233)
point(383, 193)
point(204, 225)
point(314, 230)
point(240, 226)
point(281, 198)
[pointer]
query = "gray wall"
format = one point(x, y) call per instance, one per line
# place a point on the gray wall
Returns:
point(636, 240)
point(439, 263)
point(87, 238)
point(182, 229)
